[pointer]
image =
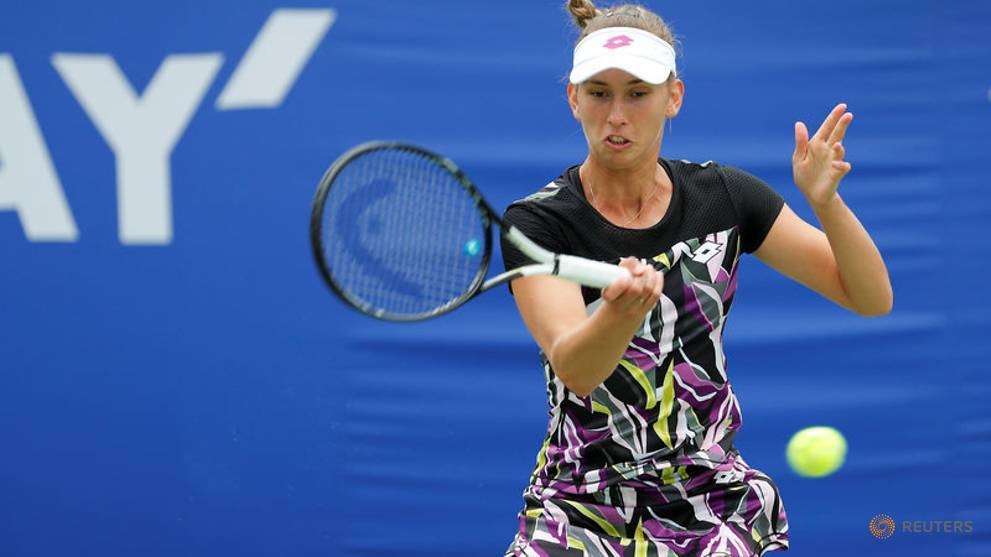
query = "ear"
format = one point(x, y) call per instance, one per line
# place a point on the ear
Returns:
point(573, 99)
point(675, 98)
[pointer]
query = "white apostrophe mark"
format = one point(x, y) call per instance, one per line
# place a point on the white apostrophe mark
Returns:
point(275, 58)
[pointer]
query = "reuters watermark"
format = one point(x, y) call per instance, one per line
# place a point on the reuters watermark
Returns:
point(883, 527)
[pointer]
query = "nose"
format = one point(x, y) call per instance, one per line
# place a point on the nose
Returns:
point(617, 116)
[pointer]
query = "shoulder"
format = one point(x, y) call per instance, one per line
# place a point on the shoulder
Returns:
point(550, 191)
point(694, 174)
point(685, 165)
point(554, 192)
point(712, 174)
point(700, 183)
point(555, 198)
point(544, 216)
point(706, 171)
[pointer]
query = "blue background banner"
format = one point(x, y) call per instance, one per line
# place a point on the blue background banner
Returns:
point(176, 380)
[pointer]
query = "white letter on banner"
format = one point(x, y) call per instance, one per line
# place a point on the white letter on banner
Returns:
point(28, 181)
point(275, 58)
point(142, 131)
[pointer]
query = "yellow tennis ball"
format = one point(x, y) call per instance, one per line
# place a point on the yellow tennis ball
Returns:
point(815, 452)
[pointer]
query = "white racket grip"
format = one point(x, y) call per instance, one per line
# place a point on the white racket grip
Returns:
point(590, 273)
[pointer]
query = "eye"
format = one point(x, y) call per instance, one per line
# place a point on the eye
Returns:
point(639, 93)
point(597, 93)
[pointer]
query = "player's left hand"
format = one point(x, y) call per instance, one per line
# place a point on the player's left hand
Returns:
point(817, 163)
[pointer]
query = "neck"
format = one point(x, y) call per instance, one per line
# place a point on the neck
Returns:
point(621, 188)
point(626, 198)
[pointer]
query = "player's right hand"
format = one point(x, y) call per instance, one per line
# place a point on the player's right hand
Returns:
point(637, 294)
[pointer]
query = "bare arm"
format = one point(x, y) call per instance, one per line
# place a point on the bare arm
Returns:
point(842, 264)
point(841, 261)
point(585, 349)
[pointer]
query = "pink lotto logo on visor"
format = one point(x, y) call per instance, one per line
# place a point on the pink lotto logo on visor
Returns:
point(619, 41)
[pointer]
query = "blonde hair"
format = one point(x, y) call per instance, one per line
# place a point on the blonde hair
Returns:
point(590, 19)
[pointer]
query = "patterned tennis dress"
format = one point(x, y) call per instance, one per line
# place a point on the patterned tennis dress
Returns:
point(645, 465)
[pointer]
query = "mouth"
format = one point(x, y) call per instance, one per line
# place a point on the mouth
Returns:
point(618, 141)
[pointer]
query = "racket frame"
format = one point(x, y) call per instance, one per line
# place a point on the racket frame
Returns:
point(584, 271)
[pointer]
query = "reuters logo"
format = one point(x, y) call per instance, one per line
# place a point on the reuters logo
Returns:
point(882, 526)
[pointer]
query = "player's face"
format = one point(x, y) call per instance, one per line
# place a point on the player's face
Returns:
point(623, 117)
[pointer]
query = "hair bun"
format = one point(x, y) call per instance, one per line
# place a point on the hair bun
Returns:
point(582, 11)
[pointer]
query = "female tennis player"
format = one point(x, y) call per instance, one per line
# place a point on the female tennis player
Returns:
point(639, 456)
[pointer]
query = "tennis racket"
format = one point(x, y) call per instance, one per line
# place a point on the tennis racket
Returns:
point(401, 234)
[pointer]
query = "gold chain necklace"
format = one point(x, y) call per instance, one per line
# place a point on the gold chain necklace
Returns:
point(643, 204)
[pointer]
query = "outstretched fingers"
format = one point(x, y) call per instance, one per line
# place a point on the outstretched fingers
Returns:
point(801, 141)
point(839, 132)
point(838, 163)
point(838, 151)
point(829, 124)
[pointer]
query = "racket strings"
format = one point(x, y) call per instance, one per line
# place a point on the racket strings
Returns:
point(401, 235)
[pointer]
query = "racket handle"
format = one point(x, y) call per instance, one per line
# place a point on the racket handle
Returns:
point(590, 273)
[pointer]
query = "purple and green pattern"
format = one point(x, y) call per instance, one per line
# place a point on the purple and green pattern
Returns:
point(645, 464)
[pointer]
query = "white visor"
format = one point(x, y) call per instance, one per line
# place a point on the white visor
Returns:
point(635, 51)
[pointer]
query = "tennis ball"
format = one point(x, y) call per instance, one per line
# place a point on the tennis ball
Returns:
point(815, 452)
